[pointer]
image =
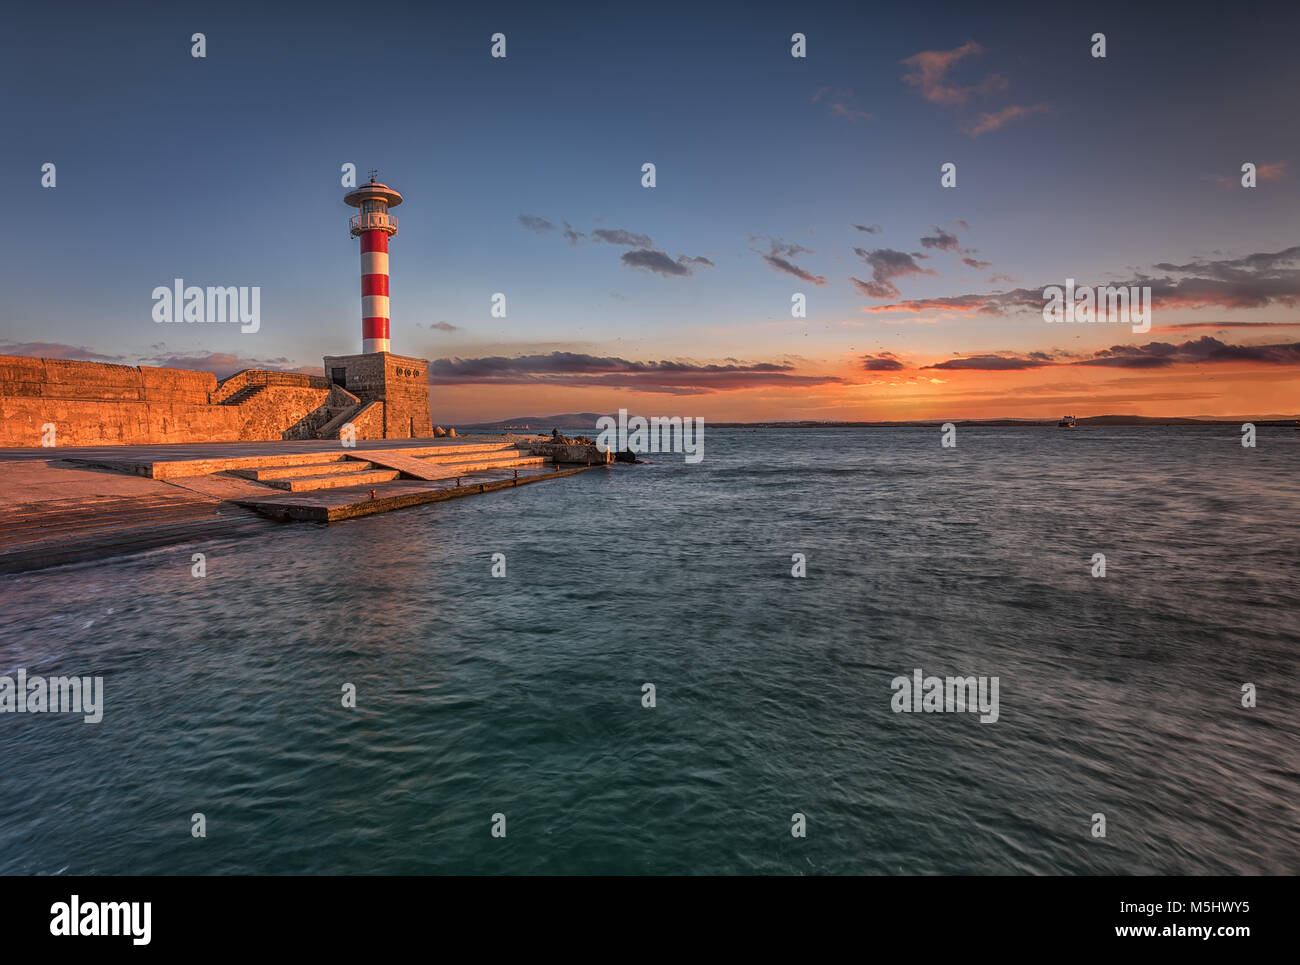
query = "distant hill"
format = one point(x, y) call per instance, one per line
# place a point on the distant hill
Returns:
point(543, 423)
point(1100, 420)
point(587, 420)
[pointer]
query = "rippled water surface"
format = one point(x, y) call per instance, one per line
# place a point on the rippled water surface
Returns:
point(522, 695)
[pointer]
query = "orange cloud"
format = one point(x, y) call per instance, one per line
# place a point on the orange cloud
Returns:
point(928, 72)
point(997, 119)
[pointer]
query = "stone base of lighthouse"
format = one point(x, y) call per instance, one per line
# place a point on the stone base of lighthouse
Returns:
point(393, 390)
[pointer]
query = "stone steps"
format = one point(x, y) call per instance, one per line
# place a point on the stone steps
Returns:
point(176, 468)
point(331, 429)
point(299, 484)
point(240, 396)
point(342, 470)
point(340, 465)
point(171, 462)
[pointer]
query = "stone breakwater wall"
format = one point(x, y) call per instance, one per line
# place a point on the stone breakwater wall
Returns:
point(99, 403)
point(565, 452)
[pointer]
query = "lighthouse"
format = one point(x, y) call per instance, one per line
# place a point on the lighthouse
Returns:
point(374, 226)
point(379, 395)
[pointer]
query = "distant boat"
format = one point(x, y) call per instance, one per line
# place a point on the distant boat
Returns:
point(1068, 422)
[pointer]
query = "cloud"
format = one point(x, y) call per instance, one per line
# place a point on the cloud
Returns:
point(220, 363)
point(1153, 355)
point(445, 327)
point(942, 240)
point(574, 370)
point(837, 100)
point(224, 364)
point(927, 72)
point(778, 259)
point(992, 121)
point(977, 264)
point(1232, 269)
point(1000, 278)
point(1253, 281)
point(991, 363)
point(1264, 171)
point(886, 265)
point(655, 261)
point(660, 263)
point(787, 248)
point(780, 264)
point(617, 236)
point(542, 226)
point(643, 253)
point(874, 229)
point(1203, 350)
point(534, 223)
point(1220, 326)
point(849, 113)
point(58, 350)
point(881, 363)
point(996, 303)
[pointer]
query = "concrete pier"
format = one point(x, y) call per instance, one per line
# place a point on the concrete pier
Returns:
point(70, 504)
point(331, 506)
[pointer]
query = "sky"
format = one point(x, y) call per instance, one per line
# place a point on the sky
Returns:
point(775, 176)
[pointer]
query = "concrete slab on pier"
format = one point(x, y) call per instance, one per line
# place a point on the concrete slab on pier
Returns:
point(334, 505)
point(407, 465)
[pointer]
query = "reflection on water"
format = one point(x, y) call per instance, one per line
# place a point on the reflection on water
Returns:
point(522, 695)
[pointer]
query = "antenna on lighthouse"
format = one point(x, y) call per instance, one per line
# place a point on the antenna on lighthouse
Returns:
point(373, 173)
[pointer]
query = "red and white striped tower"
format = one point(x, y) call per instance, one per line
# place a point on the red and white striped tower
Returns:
point(374, 225)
